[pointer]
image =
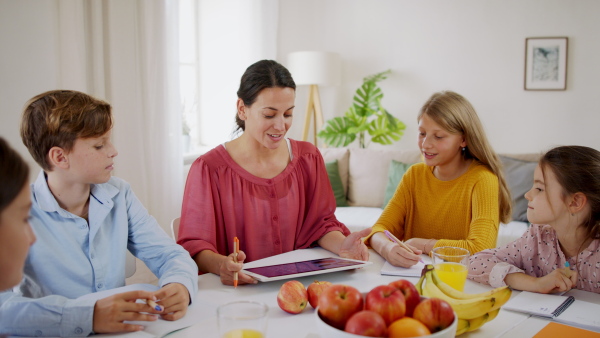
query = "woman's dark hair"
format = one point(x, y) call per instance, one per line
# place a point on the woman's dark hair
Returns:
point(260, 75)
point(577, 169)
point(14, 174)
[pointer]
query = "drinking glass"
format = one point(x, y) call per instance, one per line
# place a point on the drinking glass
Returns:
point(242, 319)
point(451, 265)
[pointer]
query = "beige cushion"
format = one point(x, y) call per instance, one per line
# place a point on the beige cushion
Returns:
point(369, 172)
point(341, 155)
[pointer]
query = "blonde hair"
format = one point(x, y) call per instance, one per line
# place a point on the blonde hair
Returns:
point(456, 115)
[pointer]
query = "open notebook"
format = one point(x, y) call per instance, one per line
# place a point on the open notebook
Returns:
point(562, 309)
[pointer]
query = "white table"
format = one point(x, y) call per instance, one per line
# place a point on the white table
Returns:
point(281, 324)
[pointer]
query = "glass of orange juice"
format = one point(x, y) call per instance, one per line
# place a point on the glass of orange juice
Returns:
point(451, 265)
point(242, 319)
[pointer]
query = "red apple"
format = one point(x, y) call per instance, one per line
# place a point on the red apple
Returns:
point(314, 290)
point(435, 313)
point(387, 301)
point(411, 295)
point(338, 303)
point(292, 297)
point(367, 323)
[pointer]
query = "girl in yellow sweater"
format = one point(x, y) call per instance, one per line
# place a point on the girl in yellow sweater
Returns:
point(456, 197)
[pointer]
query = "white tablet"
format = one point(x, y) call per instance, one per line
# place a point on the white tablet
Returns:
point(304, 268)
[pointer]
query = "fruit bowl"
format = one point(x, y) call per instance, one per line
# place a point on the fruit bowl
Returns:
point(326, 330)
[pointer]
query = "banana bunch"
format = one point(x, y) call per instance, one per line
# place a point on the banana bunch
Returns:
point(473, 310)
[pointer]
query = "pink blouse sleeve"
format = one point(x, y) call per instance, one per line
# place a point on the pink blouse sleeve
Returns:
point(320, 203)
point(492, 265)
point(198, 228)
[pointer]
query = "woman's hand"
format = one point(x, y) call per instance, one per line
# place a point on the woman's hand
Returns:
point(229, 266)
point(174, 298)
point(354, 248)
point(399, 256)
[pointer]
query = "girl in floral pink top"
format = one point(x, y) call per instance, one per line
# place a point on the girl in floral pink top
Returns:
point(564, 207)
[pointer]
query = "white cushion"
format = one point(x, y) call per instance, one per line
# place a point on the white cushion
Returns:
point(358, 218)
point(369, 171)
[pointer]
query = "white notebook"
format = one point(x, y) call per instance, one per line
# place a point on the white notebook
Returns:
point(539, 304)
point(562, 309)
point(413, 271)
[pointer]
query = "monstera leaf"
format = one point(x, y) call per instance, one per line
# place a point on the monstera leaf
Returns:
point(335, 133)
point(366, 115)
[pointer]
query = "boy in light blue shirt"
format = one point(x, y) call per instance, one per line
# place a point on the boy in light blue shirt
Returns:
point(85, 221)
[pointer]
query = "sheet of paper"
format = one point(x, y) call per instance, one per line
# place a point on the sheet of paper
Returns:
point(413, 271)
point(127, 288)
point(581, 314)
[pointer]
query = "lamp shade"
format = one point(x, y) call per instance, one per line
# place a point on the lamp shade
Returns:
point(315, 68)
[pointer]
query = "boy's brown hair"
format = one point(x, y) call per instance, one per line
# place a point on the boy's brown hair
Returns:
point(59, 117)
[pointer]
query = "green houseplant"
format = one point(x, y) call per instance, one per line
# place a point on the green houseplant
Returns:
point(365, 116)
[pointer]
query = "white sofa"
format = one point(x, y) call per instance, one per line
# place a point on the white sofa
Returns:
point(364, 176)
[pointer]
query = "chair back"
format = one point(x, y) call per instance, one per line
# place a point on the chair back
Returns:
point(175, 228)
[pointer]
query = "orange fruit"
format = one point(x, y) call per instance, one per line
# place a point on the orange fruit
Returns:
point(408, 327)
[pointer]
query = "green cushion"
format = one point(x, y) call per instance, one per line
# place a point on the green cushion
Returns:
point(336, 183)
point(395, 173)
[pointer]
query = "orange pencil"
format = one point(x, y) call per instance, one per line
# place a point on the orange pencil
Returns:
point(236, 250)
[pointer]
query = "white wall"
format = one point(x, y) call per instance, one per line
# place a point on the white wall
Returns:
point(28, 63)
point(473, 47)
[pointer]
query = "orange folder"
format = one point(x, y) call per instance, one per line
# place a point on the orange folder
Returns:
point(557, 330)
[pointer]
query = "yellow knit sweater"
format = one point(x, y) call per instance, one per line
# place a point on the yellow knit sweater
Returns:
point(463, 212)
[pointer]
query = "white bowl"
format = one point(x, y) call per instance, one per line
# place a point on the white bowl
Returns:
point(326, 330)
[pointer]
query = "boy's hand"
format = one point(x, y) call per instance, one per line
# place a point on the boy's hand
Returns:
point(557, 281)
point(174, 298)
point(110, 312)
point(229, 266)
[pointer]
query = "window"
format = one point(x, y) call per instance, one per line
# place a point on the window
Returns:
point(218, 40)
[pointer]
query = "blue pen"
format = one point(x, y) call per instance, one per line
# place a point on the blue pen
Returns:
point(154, 305)
point(393, 238)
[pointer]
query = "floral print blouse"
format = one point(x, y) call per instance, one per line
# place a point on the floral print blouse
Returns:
point(536, 253)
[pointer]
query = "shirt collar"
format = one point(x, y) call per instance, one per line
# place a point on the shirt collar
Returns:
point(102, 193)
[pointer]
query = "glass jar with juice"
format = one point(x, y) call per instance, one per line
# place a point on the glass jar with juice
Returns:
point(451, 265)
point(243, 319)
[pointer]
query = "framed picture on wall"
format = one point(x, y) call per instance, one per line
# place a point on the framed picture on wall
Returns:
point(546, 63)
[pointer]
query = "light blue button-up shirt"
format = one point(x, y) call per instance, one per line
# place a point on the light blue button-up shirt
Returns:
point(71, 258)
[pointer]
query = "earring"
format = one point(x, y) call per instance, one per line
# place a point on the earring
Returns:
point(464, 149)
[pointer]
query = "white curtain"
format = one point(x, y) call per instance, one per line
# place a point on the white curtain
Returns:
point(125, 51)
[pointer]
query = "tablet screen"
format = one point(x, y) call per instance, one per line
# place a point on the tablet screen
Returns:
point(295, 268)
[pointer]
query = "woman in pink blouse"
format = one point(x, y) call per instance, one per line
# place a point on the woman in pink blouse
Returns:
point(564, 207)
point(271, 192)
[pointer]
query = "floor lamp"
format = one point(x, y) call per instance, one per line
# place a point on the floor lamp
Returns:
point(314, 69)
